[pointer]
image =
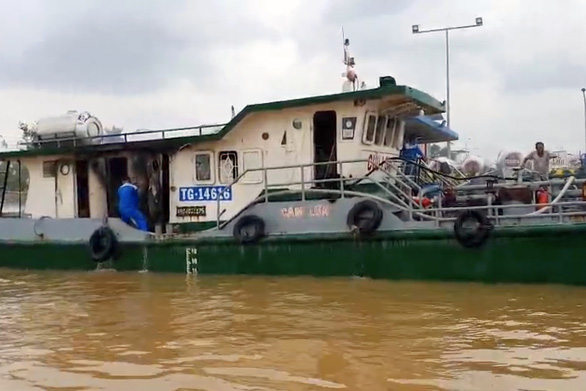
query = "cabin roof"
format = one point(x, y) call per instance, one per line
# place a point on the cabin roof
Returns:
point(168, 138)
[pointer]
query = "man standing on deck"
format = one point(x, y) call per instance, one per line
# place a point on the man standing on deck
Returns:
point(128, 201)
point(540, 159)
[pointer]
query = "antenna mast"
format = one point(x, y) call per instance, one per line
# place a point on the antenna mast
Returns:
point(351, 82)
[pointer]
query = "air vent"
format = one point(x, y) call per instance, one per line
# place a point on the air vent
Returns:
point(386, 81)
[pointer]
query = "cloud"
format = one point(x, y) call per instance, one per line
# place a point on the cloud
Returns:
point(125, 47)
point(183, 62)
point(340, 12)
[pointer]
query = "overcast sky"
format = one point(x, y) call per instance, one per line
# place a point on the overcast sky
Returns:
point(172, 63)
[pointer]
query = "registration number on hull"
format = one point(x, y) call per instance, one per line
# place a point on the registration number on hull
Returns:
point(191, 211)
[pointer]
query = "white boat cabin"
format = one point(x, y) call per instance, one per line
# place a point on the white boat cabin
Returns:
point(75, 168)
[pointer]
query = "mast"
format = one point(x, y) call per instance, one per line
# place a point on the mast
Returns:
point(351, 82)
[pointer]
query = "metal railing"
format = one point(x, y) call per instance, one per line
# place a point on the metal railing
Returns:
point(128, 137)
point(341, 189)
point(397, 190)
point(396, 185)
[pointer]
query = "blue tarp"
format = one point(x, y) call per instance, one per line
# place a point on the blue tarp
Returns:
point(427, 130)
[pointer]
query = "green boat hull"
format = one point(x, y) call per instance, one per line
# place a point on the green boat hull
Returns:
point(546, 254)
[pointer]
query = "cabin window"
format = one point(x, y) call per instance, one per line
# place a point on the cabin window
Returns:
point(369, 129)
point(251, 160)
point(228, 166)
point(380, 130)
point(399, 134)
point(390, 132)
point(49, 169)
point(203, 167)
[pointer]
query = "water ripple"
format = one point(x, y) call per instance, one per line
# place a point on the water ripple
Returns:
point(119, 331)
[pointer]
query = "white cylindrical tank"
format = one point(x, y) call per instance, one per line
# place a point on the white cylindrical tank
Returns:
point(473, 165)
point(71, 125)
point(507, 161)
point(443, 164)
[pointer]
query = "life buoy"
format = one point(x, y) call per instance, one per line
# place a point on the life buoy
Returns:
point(471, 238)
point(249, 229)
point(103, 244)
point(365, 216)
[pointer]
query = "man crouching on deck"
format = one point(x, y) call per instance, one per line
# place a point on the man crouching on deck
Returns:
point(128, 200)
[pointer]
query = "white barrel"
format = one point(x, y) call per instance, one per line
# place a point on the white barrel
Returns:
point(473, 165)
point(71, 125)
point(507, 161)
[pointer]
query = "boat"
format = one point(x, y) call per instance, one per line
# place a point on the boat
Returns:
point(307, 186)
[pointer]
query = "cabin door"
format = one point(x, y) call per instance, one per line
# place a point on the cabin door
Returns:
point(83, 188)
point(117, 169)
point(324, 144)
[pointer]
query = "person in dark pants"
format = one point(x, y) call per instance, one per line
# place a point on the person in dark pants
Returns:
point(128, 201)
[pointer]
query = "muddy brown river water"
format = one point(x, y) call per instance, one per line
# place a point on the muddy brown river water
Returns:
point(107, 331)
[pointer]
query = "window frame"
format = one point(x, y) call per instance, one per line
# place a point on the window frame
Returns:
point(399, 135)
point(367, 116)
point(390, 130)
point(246, 178)
point(383, 129)
point(45, 170)
point(236, 164)
point(212, 179)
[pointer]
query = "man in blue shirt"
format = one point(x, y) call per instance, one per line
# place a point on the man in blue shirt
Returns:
point(411, 153)
point(128, 200)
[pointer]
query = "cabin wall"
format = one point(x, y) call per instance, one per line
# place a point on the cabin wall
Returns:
point(51, 189)
point(55, 196)
point(261, 139)
point(97, 195)
point(250, 150)
point(267, 139)
point(359, 147)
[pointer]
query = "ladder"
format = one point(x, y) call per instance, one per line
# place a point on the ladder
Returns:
point(4, 181)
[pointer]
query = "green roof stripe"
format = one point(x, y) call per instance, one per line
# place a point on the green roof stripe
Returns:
point(427, 102)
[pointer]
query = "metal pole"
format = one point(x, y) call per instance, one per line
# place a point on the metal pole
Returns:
point(20, 188)
point(416, 30)
point(448, 89)
point(584, 97)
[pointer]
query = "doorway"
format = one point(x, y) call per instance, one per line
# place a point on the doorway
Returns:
point(117, 170)
point(83, 188)
point(324, 144)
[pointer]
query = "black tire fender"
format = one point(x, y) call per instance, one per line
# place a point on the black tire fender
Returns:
point(472, 238)
point(249, 229)
point(103, 244)
point(365, 225)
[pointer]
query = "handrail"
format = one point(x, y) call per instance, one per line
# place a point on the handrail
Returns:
point(426, 214)
point(6, 174)
point(303, 182)
point(391, 186)
point(165, 134)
